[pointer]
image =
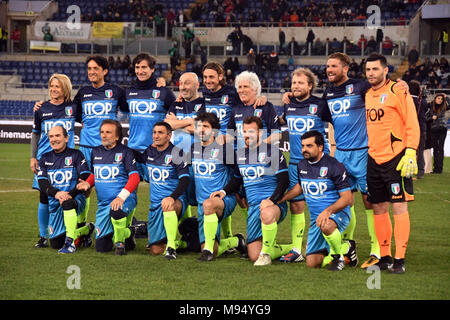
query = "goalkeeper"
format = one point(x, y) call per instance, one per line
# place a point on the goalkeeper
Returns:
point(393, 132)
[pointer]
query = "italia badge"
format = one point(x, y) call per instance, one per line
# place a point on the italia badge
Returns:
point(68, 161)
point(257, 113)
point(313, 108)
point(383, 98)
point(261, 157)
point(395, 187)
point(197, 107)
point(349, 89)
point(69, 111)
point(323, 171)
point(108, 93)
point(156, 94)
point(168, 158)
point(118, 157)
point(224, 99)
point(214, 153)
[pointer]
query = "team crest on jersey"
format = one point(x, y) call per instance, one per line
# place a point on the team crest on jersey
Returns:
point(69, 111)
point(108, 93)
point(224, 99)
point(168, 158)
point(68, 161)
point(383, 98)
point(97, 230)
point(197, 107)
point(261, 157)
point(214, 153)
point(118, 157)
point(257, 113)
point(313, 108)
point(395, 187)
point(156, 94)
point(349, 89)
point(323, 171)
point(50, 230)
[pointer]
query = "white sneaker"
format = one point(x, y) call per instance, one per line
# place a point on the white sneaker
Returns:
point(263, 260)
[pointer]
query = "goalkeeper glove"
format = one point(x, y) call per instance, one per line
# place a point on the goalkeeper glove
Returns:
point(408, 164)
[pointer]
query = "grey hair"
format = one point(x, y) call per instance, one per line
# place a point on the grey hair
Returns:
point(252, 78)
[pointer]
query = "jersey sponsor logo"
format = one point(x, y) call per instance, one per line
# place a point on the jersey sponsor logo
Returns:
point(108, 93)
point(252, 173)
point(105, 172)
point(118, 157)
point(303, 172)
point(313, 108)
point(87, 95)
point(383, 98)
point(133, 94)
point(158, 174)
point(314, 188)
point(395, 187)
point(156, 94)
point(60, 177)
point(339, 106)
point(224, 99)
point(142, 106)
point(203, 168)
point(300, 124)
point(349, 89)
point(69, 111)
point(323, 171)
point(47, 114)
point(374, 114)
point(257, 113)
point(68, 161)
point(66, 124)
point(220, 112)
point(97, 108)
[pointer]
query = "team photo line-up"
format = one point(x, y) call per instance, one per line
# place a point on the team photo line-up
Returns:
point(221, 149)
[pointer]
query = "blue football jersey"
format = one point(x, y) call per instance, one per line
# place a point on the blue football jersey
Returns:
point(62, 170)
point(258, 169)
point(164, 172)
point(211, 171)
point(184, 110)
point(321, 183)
point(347, 109)
point(301, 117)
point(267, 113)
point(111, 169)
point(147, 105)
point(94, 106)
point(221, 102)
point(50, 115)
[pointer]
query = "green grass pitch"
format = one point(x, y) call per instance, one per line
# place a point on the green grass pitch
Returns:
point(29, 273)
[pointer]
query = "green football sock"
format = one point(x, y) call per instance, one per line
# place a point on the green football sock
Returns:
point(245, 213)
point(187, 212)
point(226, 244)
point(171, 226)
point(130, 217)
point(70, 222)
point(210, 224)
point(226, 227)
point(326, 260)
point(82, 231)
point(279, 250)
point(348, 233)
point(269, 233)
point(121, 232)
point(374, 245)
point(82, 217)
point(344, 247)
point(334, 240)
point(297, 229)
point(180, 244)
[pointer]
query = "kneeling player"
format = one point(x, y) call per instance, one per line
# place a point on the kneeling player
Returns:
point(116, 180)
point(324, 182)
point(263, 171)
point(58, 174)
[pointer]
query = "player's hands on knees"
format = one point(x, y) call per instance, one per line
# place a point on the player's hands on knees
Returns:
point(117, 204)
point(34, 165)
point(287, 97)
point(323, 219)
point(37, 105)
point(219, 194)
point(62, 196)
point(83, 185)
point(167, 204)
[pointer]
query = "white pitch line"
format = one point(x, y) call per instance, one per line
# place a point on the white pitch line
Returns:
point(17, 191)
point(15, 179)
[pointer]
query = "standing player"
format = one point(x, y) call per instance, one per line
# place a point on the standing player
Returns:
point(211, 172)
point(324, 182)
point(59, 171)
point(59, 110)
point(394, 135)
point(168, 180)
point(262, 169)
point(116, 179)
point(305, 112)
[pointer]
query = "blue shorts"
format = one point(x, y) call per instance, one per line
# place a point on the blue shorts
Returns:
point(230, 204)
point(155, 225)
point(316, 242)
point(293, 180)
point(56, 226)
point(254, 231)
point(103, 224)
point(86, 151)
point(35, 183)
point(355, 162)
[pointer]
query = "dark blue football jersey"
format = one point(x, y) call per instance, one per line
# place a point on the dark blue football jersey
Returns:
point(258, 169)
point(147, 106)
point(50, 115)
point(221, 102)
point(321, 183)
point(212, 170)
point(267, 113)
point(96, 105)
point(165, 168)
point(62, 170)
point(185, 110)
point(304, 116)
point(111, 169)
point(347, 109)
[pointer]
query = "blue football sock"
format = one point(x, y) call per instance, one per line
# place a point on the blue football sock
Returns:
point(43, 216)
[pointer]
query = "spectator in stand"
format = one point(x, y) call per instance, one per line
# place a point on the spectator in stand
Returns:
point(188, 36)
point(319, 47)
point(235, 38)
point(334, 46)
point(98, 16)
point(413, 56)
point(180, 18)
point(310, 39)
point(273, 61)
point(387, 46)
point(440, 113)
point(282, 39)
point(371, 45)
point(380, 37)
point(293, 47)
point(362, 42)
point(251, 64)
point(170, 18)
